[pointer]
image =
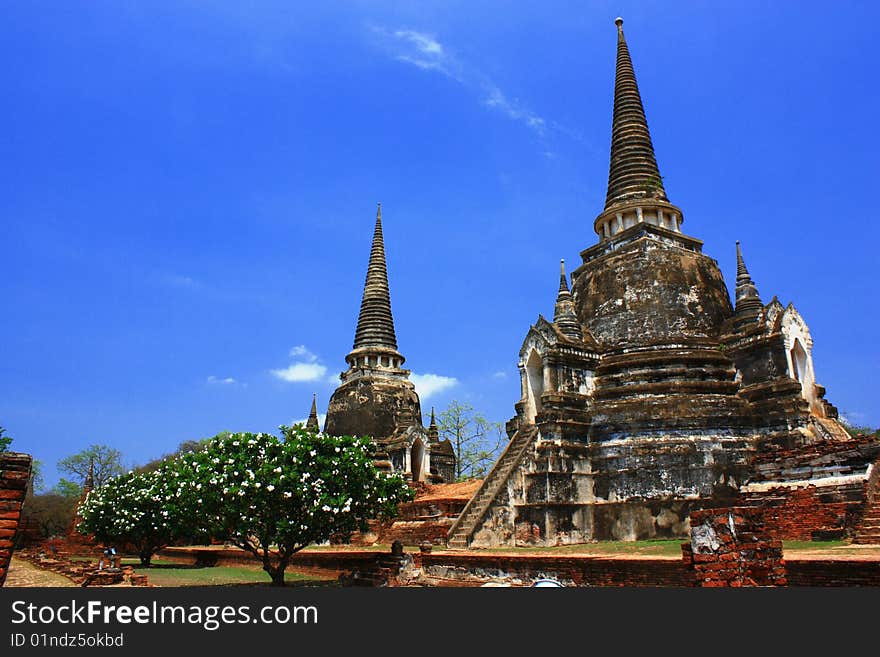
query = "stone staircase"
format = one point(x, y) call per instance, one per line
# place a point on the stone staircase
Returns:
point(868, 530)
point(463, 528)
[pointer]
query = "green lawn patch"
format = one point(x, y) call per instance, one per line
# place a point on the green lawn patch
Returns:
point(176, 574)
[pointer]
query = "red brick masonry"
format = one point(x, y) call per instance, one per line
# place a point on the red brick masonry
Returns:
point(15, 471)
point(731, 547)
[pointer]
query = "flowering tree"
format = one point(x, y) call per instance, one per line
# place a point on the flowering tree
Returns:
point(144, 510)
point(274, 496)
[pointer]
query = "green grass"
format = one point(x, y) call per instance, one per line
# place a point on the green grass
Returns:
point(812, 545)
point(176, 574)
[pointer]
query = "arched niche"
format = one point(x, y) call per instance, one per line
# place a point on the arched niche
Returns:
point(534, 385)
point(416, 459)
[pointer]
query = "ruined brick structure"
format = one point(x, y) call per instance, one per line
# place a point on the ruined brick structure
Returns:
point(376, 398)
point(731, 547)
point(649, 394)
point(15, 473)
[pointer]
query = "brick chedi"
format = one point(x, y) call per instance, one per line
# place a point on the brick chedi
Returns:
point(375, 397)
point(649, 394)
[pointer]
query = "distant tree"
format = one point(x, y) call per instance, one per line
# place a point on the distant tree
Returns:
point(477, 442)
point(5, 441)
point(36, 483)
point(67, 488)
point(147, 511)
point(185, 447)
point(274, 496)
point(51, 512)
point(107, 463)
point(857, 430)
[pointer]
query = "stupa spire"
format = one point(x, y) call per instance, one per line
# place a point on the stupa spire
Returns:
point(633, 173)
point(375, 327)
point(748, 301)
point(564, 316)
point(312, 422)
point(89, 483)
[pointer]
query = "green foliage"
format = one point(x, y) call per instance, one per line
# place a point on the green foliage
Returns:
point(273, 496)
point(476, 441)
point(51, 512)
point(67, 488)
point(5, 441)
point(106, 462)
point(145, 510)
point(856, 430)
point(36, 484)
point(185, 447)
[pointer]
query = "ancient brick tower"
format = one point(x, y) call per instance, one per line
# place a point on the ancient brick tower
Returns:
point(649, 394)
point(375, 397)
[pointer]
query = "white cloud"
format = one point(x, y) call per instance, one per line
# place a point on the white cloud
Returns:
point(495, 98)
point(301, 372)
point(301, 351)
point(428, 385)
point(500, 374)
point(424, 51)
point(221, 380)
point(306, 367)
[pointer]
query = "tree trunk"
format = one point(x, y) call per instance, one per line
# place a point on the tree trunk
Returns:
point(276, 573)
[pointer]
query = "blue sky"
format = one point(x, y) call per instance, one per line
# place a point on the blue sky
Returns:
point(187, 193)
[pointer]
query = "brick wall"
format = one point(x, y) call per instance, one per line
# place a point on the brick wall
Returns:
point(833, 572)
point(15, 471)
point(810, 513)
point(447, 568)
point(730, 547)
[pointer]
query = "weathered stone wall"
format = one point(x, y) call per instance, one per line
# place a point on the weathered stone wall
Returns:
point(650, 292)
point(373, 406)
point(15, 472)
point(564, 493)
point(730, 547)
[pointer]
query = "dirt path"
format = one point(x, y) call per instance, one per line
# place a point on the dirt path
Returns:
point(23, 573)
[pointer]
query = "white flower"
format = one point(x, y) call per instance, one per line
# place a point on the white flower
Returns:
point(269, 488)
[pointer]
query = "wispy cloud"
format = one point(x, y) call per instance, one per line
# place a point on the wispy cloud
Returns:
point(216, 380)
point(178, 280)
point(428, 385)
point(425, 51)
point(305, 367)
point(301, 351)
point(500, 374)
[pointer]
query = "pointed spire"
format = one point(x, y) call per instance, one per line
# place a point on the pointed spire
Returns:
point(433, 430)
point(748, 301)
point(375, 327)
point(89, 483)
point(564, 316)
point(633, 173)
point(312, 422)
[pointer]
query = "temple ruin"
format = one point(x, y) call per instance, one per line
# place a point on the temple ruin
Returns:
point(649, 395)
point(376, 398)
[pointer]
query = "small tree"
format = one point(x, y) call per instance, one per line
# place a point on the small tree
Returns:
point(105, 461)
point(273, 496)
point(144, 510)
point(5, 441)
point(51, 512)
point(476, 441)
